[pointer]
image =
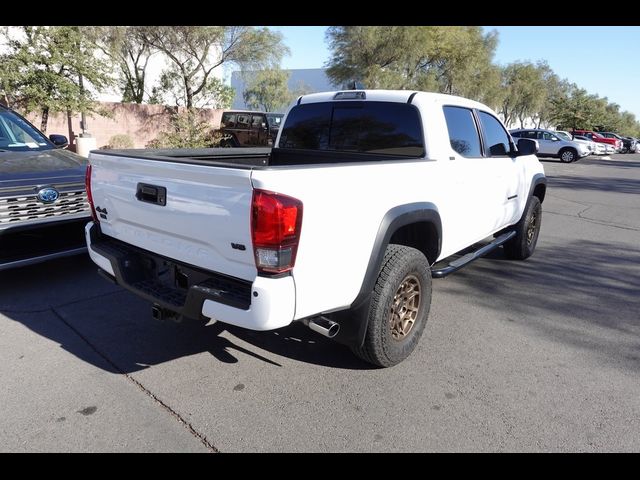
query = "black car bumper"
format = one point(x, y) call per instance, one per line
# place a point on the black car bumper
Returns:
point(172, 286)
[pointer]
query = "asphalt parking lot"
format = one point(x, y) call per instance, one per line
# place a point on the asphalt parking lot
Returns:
point(542, 355)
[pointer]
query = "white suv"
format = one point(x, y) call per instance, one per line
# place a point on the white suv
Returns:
point(551, 145)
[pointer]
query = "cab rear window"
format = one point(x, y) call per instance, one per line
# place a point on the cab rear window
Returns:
point(366, 127)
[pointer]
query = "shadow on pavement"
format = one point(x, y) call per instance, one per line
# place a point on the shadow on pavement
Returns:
point(618, 161)
point(118, 325)
point(583, 293)
point(600, 184)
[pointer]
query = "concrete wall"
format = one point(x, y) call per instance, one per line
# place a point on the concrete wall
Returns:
point(142, 123)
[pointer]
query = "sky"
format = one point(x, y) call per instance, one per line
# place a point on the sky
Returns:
point(602, 60)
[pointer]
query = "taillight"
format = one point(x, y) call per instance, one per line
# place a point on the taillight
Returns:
point(87, 186)
point(276, 221)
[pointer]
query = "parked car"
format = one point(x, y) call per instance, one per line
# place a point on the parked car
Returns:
point(594, 148)
point(43, 204)
point(249, 129)
point(597, 137)
point(597, 148)
point(628, 144)
point(551, 145)
point(260, 238)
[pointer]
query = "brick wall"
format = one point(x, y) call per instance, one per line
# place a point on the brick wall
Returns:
point(141, 122)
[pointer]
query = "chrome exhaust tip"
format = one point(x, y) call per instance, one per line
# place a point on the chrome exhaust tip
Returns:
point(323, 326)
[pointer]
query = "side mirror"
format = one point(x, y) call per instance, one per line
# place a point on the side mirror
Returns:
point(527, 146)
point(498, 150)
point(59, 141)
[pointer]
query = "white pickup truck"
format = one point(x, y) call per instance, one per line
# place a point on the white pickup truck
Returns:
point(365, 197)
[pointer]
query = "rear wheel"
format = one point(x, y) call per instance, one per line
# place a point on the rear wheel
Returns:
point(399, 307)
point(527, 230)
point(227, 143)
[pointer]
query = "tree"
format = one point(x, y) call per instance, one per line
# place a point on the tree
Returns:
point(577, 110)
point(267, 90)
point(52, 69)
point(554, 89)
point(455, 60)
point(525, 92)
point(195, 52)
point(129, 50)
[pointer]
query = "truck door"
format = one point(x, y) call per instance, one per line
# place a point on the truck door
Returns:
point(548, 143)
point(505, 173)
point(471, 193)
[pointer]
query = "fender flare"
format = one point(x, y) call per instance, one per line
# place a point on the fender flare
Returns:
point(538, 178)
point(354, 321)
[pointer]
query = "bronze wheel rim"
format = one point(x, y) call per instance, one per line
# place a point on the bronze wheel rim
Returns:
point(404, 307)
point(531, 229)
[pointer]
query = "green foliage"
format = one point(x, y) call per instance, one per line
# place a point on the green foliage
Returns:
point(267, 90)
point(194, 52)
point(214, 92)
point(120, 141)
point(525, 92)
point(455, 60)
point(459, 61)
point(50, 68)
point(127, 48)
point(187, 130)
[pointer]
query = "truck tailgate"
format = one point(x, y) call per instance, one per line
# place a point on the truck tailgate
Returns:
point(203, 219)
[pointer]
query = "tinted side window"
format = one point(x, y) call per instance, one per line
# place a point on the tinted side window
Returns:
point(531, 134)
point(243, 120)
point(367, 127)
point(547, 136)
point(257, 121)
point(463, 133)
point(229, 120)
point(495, 134)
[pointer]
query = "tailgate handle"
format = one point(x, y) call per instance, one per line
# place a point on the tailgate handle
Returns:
point(151, 194)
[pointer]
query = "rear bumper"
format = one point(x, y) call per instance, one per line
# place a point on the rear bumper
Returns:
point(264, 304)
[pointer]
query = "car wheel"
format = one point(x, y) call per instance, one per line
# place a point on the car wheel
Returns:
point(399, 307)
point(568, 155)
point(527, 230)
point(226, 144)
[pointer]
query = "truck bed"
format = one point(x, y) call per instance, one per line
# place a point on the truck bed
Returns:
point(220, 157)
point(251, 158)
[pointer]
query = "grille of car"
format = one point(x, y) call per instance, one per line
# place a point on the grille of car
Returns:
point(28, 208)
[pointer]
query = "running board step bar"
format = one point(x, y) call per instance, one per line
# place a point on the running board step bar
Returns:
point(471, 256)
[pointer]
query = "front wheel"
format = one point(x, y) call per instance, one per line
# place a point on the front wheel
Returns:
point(399, 307)
point(568, 155)
point(527, 230)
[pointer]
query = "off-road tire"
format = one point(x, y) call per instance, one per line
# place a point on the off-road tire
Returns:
point(401, 266)
point(527, 230)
